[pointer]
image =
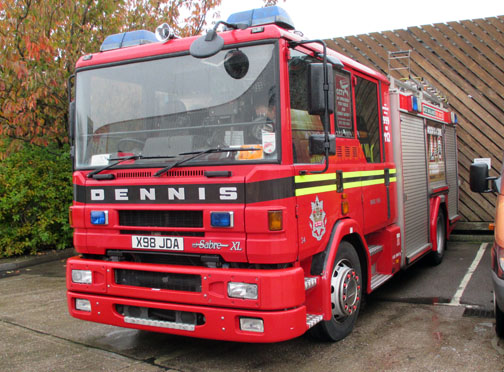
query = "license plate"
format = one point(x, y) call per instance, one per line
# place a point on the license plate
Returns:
point(169, 243)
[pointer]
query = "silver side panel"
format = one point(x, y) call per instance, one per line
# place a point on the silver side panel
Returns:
point(410, 156)
point(416, 194)
point(452, 170)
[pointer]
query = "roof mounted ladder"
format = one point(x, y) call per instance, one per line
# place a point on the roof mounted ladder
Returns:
point(401, 60)
point(395, 60)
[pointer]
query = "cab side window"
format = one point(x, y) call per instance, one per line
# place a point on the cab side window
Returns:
point(368, 123)
point(303, 124)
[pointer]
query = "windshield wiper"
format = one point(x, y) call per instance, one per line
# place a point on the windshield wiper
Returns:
point(198, 154)
point(120, 160)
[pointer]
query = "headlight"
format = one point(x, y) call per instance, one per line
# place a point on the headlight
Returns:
point(82, 276)
point(242, 290)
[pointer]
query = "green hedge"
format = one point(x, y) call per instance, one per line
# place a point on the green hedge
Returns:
point(35, 193)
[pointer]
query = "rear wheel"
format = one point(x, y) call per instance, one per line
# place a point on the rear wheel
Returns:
point(346, 295)
point(499, 319)
point(437, 256)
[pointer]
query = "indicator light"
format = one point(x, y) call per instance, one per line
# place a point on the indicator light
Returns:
point(344, 204)
point(70, 216)
point(275, 220)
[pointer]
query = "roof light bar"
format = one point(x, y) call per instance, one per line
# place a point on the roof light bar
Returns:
point(263, 16)
point(127, 39)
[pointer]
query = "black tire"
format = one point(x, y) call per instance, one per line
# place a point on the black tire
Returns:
point(437, 257)
point(499, 319)
point(346, 295)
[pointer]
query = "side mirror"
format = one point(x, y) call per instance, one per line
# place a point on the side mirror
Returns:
point(71, 121)
point(207, 45)
point(317, 143)
point(317, 88)
point(478, 179)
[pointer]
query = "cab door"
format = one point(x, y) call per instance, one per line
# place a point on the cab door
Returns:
point(316, 196)
point(373, 174)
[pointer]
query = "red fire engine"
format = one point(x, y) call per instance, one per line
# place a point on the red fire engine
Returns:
point(249, 185)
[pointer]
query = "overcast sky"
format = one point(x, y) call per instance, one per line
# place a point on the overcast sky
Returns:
point(333, 18)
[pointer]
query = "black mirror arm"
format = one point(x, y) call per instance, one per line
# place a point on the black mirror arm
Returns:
point(326, 166)
point(213, 32)
point(495, 185)
point(326, 121)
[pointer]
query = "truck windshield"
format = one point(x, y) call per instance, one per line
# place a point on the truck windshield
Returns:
point(168, 106)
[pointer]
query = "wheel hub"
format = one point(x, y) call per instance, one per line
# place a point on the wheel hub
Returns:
point(345, 291)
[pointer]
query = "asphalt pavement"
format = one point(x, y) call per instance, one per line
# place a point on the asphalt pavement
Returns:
point(426, 318)
point(426, 284)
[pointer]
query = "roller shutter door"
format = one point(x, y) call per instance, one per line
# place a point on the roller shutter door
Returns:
point(416, 211)
point(451, 170)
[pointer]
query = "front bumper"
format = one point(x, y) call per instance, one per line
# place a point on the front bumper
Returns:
point(280, 301)
point(220, 323)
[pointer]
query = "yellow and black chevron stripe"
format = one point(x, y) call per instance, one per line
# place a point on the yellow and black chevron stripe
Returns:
point(315, 183)
point(340, 181)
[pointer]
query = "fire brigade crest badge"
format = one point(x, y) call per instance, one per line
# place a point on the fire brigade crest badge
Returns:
point(318, 219)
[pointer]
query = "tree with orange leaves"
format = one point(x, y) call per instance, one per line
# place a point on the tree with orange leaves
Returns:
point(40, 41)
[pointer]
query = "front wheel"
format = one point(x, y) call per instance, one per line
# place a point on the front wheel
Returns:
point(346, 295)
